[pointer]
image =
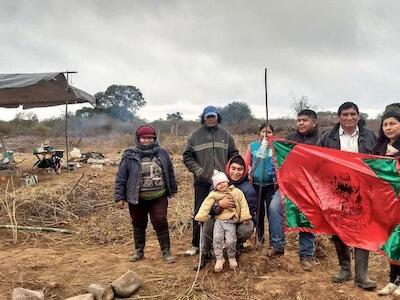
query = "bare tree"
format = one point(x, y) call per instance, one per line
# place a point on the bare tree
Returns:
point(301, 103)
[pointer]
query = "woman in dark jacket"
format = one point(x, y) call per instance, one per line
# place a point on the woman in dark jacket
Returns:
point(388, 144)
point(237, 174)
point(146, 180)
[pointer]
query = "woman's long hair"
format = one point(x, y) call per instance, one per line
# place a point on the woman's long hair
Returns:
point(382, 138)
point(264, 125)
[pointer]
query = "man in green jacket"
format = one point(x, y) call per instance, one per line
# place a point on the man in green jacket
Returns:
point(208, 148)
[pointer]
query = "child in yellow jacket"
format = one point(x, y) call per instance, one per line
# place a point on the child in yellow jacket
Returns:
point(225, 224)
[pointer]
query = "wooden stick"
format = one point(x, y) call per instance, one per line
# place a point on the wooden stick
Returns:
point(69, 193)
point(33, 228)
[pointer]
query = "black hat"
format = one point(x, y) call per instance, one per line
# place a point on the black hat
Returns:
point(392, 110)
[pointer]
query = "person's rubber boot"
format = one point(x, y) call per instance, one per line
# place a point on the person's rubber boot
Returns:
point(205, 259)
point(343, 254)
point(361, 279)
point(163, 239)
point(139, 236)
point(273, 252)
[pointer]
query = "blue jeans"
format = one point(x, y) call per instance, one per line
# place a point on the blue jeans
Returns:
point(276, 234)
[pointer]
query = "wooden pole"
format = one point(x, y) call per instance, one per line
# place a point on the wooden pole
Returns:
point(34, 228)
point(66, 122)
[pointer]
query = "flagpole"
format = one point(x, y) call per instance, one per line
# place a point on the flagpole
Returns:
point(260, 200)
point(266, 99)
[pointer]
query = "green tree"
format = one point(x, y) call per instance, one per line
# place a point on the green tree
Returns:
point(119, 101)
point(235, 112)
point(84, 112)
point(175, 117)
point(327, 114)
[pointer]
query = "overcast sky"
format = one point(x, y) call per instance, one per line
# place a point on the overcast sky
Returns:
point(184, 55)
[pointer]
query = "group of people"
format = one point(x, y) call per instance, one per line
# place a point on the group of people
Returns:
point(232, 194)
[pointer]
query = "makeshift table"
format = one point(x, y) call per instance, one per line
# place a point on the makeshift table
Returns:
point(48, 158)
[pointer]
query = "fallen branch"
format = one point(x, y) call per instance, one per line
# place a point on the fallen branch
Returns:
point(146, 297)
point(49, 229)
point(76, 184)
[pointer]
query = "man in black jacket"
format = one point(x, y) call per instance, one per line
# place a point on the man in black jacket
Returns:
point(307, 129)
point(208, 148)
point(306, 133)
point(349, 135)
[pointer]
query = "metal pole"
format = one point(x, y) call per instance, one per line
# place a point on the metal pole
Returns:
point(260, 201)
point(66, 122)
point(66, 115)
point(266, 98)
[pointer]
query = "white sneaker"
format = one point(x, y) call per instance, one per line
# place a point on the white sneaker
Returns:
point(396, 294)
point(388, 289)
point(232, 263)
point(192, 251)
point(219, 265)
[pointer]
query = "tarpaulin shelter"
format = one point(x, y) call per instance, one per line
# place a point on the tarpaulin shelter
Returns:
point(41, 90)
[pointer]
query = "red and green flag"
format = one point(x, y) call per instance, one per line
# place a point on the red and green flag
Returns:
point(352, 195)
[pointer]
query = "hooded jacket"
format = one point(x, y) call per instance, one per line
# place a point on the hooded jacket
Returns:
point(127, 181)
point(366, 139)
point(239, 213)
point(245, 186)
point(208, 149)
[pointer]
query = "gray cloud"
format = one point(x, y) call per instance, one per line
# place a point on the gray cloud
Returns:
point(184, 55)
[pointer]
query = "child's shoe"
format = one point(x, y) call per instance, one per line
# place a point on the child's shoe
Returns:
point(388, 289)
point(232, 263)
point(219, 265)
point(396, 294)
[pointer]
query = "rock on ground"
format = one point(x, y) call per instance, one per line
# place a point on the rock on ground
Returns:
point(24, 294)
point(101, 292)
point(82, 297)
point(127, 284)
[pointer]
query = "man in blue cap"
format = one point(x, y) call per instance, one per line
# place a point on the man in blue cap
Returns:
point(208, 148)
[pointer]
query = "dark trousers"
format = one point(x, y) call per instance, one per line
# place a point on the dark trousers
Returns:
point(157, 209)
point(394, 274)
point(201, 191)
point(267, 192)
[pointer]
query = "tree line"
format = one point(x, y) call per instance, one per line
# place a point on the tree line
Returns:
point(117, 107)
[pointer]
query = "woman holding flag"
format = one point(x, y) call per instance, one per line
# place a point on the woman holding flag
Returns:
point(388, 144)
point(262, 174)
